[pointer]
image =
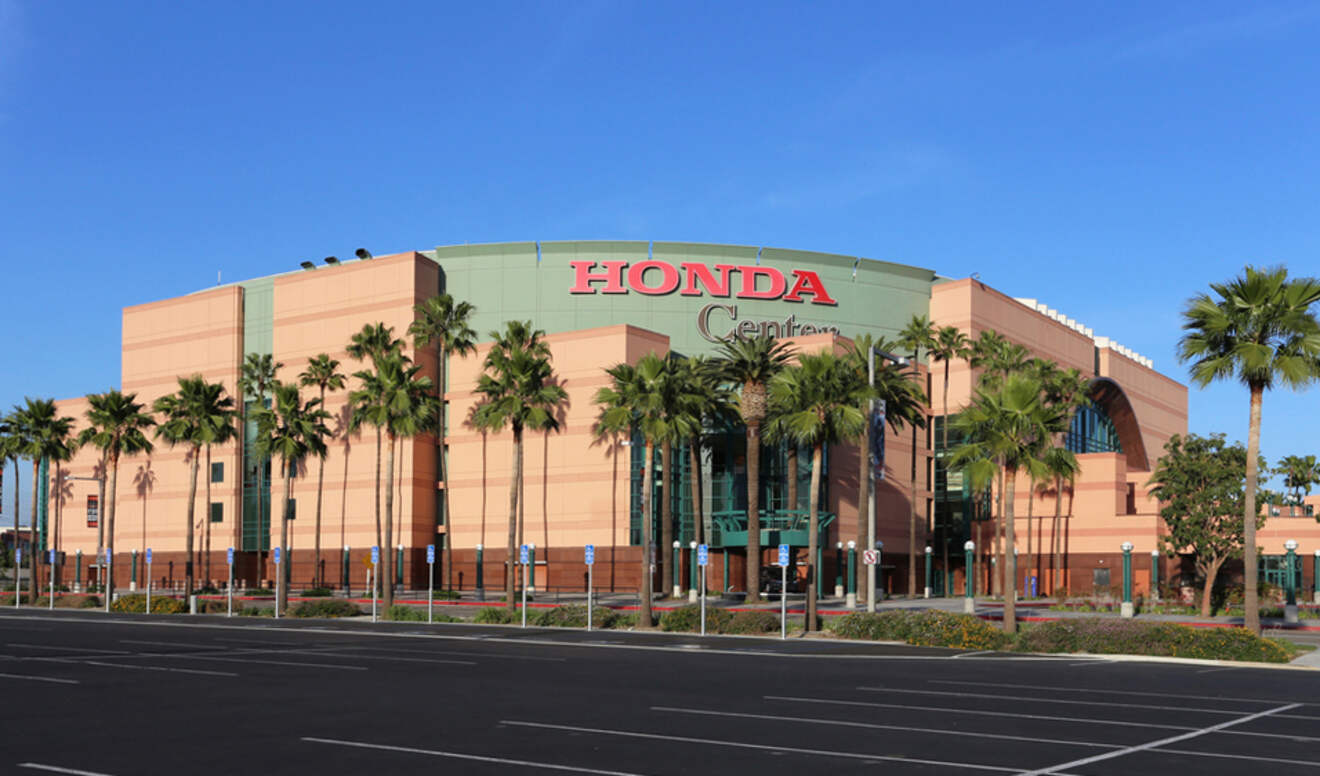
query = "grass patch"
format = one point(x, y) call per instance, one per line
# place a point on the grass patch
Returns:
point(327, 607)
point(1107, 636)
point(404, 613)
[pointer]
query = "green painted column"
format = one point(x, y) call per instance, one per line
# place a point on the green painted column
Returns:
point(1290, 584)
point(969, 586)
point(1127, 609)
point(930, 571)
point(398, 567)
point(693, 580)
point(852, 568)
point(1315, 572)
point(1154, 575)
point(531, 568)
point(820, 578)
point(344, 568)
point(481, 584)
point(838, 567)
point(678, 564)
point(77, 569)
point(133, 571)
point(726, 571)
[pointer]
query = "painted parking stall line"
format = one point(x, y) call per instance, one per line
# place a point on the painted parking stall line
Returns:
point(470, 757)
point(59, 769)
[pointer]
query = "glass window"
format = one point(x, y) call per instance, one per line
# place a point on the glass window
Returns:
point(217, 512)
point(218, 471)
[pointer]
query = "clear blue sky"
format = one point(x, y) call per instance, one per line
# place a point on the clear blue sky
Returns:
point(1109, 159)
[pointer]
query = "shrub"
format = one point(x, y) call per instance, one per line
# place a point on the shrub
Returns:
point(78, 601)
point(496, 615)
point(622, 621)
point(925, 629)
point(317, 592)
point(405, 613)
point(255, 611)
point(258, 591)
point(136, 603)
point(214, 607)
point(750, 622)
point(566, 617)
point(1110, 637)
point(207, 590)
point(446, 595)
point(688, 618)
point(329, 607)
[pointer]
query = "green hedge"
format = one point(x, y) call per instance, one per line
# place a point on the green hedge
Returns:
point(317, 592)
point(688, 618)
point(1107, 636)
point(496, 615)
point(405, 613)
point(136, 603)
point(326, 607)
point(926, 629)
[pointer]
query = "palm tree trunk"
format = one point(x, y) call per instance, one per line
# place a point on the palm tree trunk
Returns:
point(442, 465)
point(387, 552)
point(206, 551)
point(1010, 578)
point(1251, 602)
point(996, 541)
point(644, 587)
point(942, 496)
point(864, 497)
point(511, 564)
point(190, 581)
point(666, 556)
point(380, 537)
point(791, 476)
point(753, 456)
point(813, 541)
point(698, 528)
point(34, 548)
point(1031, 508)
point(1056, 546)
point(110, 510)
point(1066, 569)
point(317, 574)
point(915, 515)
point(100, 524)
point(17, 562)
point(282, 579)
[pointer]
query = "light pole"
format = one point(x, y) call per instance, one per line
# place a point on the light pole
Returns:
point(1315, 572)
point(930, 570)
point(1154, 575)
point(870, 470)
point(969, 581)
point(851, 600)
point(1127, 608)
point(678, 585)
point(1290, 585)
point(692, 573)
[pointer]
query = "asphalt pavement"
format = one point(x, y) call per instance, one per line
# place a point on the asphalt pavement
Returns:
point(107, 695)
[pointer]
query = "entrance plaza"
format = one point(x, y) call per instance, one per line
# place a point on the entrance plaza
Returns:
point(602, 303)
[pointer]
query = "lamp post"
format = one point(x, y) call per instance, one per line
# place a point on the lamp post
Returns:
point(969, 583)
point(678, 584)
point(1315, 572)
point(851, 600)
point(838, 569)
point(1290, 584)
point(481, 586)
point(531, 569)
point(1127, 609)
point(693, 582)
point(930, 571)
point(870, 470)
point(1154, 575)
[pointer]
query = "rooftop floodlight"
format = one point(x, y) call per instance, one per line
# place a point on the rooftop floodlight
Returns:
point(331, 259)
point(362, 253)
point(308, 265)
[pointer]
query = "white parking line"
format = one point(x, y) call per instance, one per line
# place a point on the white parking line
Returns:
point(942, 732)
point(390, 658)
point(40, 678)
point(1308, 763)
point(57, 769)
point(759, 747)
point(53, 648)
point(500, 655)
point(266, 662)
point(1159, 743)
point(475, 757)
point(158, 668)
point(1035, 699)
point(1110, 692)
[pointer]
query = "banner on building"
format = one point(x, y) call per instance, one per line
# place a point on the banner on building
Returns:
point(93, 511)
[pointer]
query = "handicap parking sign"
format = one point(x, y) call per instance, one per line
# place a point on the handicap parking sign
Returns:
point(590, 554)
point(229, 556)
point(148, 556)
point(275, 555)
point(430, 553)
point(375, 555)
point(702, 555)
point(522, 555)
point(783, 554)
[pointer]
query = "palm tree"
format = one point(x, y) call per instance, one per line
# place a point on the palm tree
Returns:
point(397, 400)
point(1061, 466)
point(292, 429)
point(12, 445)
point(1070, 390)
point(519, 389)
point(323, 372)
point(917, 336)
point(1299, 473)
point(948, 343)
point(1260, 329)
point(117, 426)
point(444, 322)
point(1007, 429)
point(48, 437)
point(751, 363)
point(223, 432)
point(190, 417)
point(708, 403)
point(817, 400)
point(257, 375)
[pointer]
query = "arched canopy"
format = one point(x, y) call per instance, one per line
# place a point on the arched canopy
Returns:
point(1108, 396)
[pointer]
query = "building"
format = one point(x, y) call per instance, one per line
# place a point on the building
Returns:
point(602, 303)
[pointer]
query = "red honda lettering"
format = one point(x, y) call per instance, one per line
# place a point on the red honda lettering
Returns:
point(700, 274)
point(668, 278)
point(808, 283)
point(583, 277)
point(749, 276)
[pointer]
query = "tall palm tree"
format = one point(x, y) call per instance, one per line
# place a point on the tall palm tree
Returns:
point(322, 372)
point(948, 343)
point(255, 379)
point(1061, 466)
point(518, 389)
point(1070, 390)
point(48, 437)
point(12, 448)
point(292, 429)
point(396, 399)
point(117, 426)
point(224, 429)
point(444, 322)
point(1299, 473)
point(918, 335)
point(708, 403)
point(1260, 329)
point(1008, 428)
point(751, 363)
point(189, 417)
point(818, 403)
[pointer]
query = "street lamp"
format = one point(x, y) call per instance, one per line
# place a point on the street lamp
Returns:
point(1290, 584)
point(693, 580)
point(850, 600)
point(870, 506)
point(1127, 610)
point(969, 601)
point(678, 586)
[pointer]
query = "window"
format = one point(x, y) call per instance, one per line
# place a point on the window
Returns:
point(1131, 498)
point(217, 512)
point(218, 471)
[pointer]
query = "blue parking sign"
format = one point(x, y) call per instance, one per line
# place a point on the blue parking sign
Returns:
point(275, 556)
point(589, 555)
point(18, 555)
point(375, 556)
point(51, 559)
point(430, 553)
point(229, 556)
point(522, 555)
point(703, 555)
point(783, 554)
point(148, 556)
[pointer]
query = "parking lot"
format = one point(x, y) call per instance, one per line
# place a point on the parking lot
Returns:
point(90, 694)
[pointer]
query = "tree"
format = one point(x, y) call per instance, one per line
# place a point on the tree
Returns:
point(13, 439)
point(1200, 482)
point(444, 322)
point(1068, 389)
point(1007, 428)
point(647, 398)
point(709, 403)
point(751, 363)
point(189, 417)
point(518, 389)
point(1299, 473)
point(292, 429)
point(255, 379)
point(817, 405)
point(948, 343)
point(1261, 330)
point(322, 372)
point(47, 437)
point(117, 426)
point(917, 336)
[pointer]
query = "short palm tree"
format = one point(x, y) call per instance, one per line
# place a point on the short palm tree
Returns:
point(917, 336)
point(255, 380)
point(518, 389)
point(48, 437)
point(189, 417)
point(293, 429)
point(444, 322)
point(374, 342)
point(117, 426)
point(1299, 473)
point(12, 444)
point(1260, 329)
point(322, 372)
point(947, 344)
point(396, 399)
point(1007, 428)
point(750, 364)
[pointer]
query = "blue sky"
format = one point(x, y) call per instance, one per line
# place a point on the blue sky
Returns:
point(1108, 159)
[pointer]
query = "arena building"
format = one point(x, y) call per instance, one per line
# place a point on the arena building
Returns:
point(602, 303)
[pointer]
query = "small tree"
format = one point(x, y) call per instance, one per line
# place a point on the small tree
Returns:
point(1201, 485)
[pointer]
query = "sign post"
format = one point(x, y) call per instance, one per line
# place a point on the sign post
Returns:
point(229, 558)
point(522, 560)
point(372, 577)
point(430, 582)
point(783, 591)
point(52, 580)
point(589, 558)
point(279, 579)
point(148, 580)
point(703, 557)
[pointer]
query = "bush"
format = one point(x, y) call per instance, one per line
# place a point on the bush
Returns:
point(1112, 637)
point(622, 621)
point(329, 607)
point(255, 611)
point(136, 603)
point(317, 592)
point(258, 591)
point(214, 607)
point(405, 613)
point(207, 590)
point(750, 622)
point(496, 615)
point(688, 618)
point(446, 595)
point(78, 601)
point(925, 629)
